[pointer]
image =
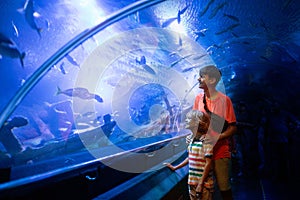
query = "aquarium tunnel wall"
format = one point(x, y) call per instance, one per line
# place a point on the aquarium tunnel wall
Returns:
point(101, 88)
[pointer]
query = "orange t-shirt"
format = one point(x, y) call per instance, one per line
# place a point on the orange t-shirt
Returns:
point(223, 107)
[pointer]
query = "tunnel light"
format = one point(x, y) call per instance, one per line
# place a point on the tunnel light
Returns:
point(90, 12)
point(179, 28)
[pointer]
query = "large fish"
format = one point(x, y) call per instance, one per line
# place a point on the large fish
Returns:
point(5, 40)
point(180, 12)
point(79, 92)
point(18, 121)
point(12, 51)
point(30, 14)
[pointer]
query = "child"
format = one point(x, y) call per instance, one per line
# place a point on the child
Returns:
point(200, 150)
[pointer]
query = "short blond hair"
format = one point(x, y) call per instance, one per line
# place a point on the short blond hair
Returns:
point(199, 119)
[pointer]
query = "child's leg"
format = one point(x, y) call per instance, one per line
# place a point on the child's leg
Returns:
point(192, 192)
point(207, 194)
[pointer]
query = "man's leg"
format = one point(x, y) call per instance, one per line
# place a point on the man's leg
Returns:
point(221, 170)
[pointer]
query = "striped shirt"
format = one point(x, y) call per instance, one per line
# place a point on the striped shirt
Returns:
point(198, 151)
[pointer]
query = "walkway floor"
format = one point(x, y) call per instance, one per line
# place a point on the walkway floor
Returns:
point(255, 188)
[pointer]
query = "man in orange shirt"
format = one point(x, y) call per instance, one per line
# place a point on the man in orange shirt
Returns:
point(223, 125)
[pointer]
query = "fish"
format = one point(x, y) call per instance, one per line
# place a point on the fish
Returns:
point(214, 46)
point(16, 32)
point(180, 41)
point(30, 15)
point(18, 121)
point(187, 69)
point(288, 55)
point(72, 60)
point(246, 42)
point(168, 22)
point(59, 111)
point(183, 10)
point(172, 19)
point(98, 98)
point(229, 28)
point(94, 39)
point(264, 25)
point(234, 18)
point(62, 69)
point(148, 69)
point(172, 54)
point(12, 51)
point(143, 63)
point(63, 129)
point(23, 81)
point(235, 35)
point(206, 8)
point(265, 58)
point(79, 92)
point(200, 33)
point(137, 17)
point(286, 4)
point(175, 62)
point(6, 40)
point(179, 60)
point(180, 12)
point(47, 23)
point(89, 114)
point(190, 68)
point(215, 11)
point(200, 56)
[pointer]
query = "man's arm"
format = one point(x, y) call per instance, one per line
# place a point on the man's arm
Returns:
point(231, 130)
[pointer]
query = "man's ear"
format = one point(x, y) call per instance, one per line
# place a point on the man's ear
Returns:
point(212, 81)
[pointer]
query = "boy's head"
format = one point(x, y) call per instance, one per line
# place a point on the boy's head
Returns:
point(197, 121)
point(209, 75)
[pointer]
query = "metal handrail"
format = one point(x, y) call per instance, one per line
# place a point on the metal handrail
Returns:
point(52, 173)
point(67, 48)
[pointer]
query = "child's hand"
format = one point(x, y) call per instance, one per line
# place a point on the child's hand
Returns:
point(188, 139)
point(170, 166)
point(199, 188)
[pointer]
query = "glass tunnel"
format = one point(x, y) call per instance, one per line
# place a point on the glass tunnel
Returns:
point(94, 93)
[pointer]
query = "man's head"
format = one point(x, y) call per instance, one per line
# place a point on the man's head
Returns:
point(209, 76)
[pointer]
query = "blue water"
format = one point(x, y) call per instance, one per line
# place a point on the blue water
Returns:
point(255, 44)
